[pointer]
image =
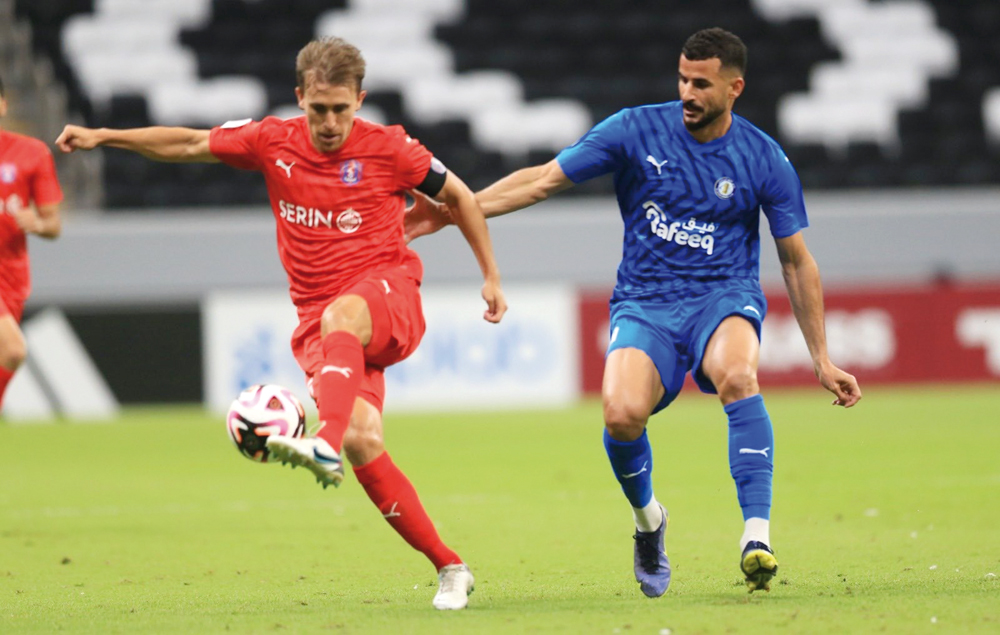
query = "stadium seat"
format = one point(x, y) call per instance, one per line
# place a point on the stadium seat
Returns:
point(823, 76)
point(551, 124)
point(207, 103)
point(991, 114)
point(432, 99)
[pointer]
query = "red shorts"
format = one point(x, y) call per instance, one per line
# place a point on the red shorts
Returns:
point(10, 306)
point(393, 297)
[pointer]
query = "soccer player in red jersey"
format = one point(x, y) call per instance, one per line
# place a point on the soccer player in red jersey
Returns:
point(27, 176)
point(337, 187)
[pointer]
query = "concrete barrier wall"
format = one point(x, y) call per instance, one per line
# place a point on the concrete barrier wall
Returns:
point(859, 238)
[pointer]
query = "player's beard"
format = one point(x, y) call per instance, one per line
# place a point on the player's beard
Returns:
point(707, 118)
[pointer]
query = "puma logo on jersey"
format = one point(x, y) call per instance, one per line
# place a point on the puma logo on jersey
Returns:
point(386, 285)
point(689, 234)
point(346, 372)
point(752, 451)
point(657, 164)
point(285, 166)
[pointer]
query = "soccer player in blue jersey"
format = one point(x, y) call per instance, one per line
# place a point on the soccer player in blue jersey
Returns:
point(691, 179)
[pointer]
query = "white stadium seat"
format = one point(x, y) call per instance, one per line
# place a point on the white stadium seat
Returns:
point(128, 47)
point(546, 124)
point(83, 35)
point(397, 39)
point(905, 86)
point(991, 114)
point(890, 51)
point(391, 68)
point(836, 121)
point(433, 99)
point(438, 10)
point(368, 31)
point(207, 103)
point(103, 74)
point(186, 12)
point(787, 9)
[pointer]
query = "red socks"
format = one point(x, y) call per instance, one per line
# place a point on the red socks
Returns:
point(339, 382)
point(387, 487)
point(5, 376)
point(395, 497)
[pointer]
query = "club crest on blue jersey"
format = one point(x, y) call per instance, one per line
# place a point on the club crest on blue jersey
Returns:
point(8, 172)
point(350, 172)
point(725, 188)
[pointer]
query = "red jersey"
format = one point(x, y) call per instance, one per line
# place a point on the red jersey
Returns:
point(339, 214)
point(27, 175)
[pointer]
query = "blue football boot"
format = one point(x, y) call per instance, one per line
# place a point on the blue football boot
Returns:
point(652, 568)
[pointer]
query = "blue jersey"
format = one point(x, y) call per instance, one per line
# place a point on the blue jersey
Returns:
point(691, 210)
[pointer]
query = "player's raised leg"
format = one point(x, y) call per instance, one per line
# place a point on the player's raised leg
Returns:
point(399, 504)
point(631, 389)
point(345, 327)
point(12, 348)
point(730, 363)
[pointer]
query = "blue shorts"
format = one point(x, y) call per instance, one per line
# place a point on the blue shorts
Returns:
point(674, 332)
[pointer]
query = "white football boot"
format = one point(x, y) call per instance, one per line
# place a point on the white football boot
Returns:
point(456, 583)
point(311, 452)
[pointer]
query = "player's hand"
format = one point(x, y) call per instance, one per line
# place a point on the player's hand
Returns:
point(841, 384)
point(425, 216)
point(77, 138)
point(495, 302)
point(27, 220)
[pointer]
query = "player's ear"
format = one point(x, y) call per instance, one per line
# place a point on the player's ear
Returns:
point(3, 107)
point(299, 97)
point(736, 86)
point(361, 97)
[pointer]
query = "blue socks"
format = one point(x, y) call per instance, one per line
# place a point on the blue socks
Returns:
point(632, 462)
point(751, 455)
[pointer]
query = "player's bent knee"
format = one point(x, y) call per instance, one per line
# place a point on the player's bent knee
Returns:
point(348, 313)
point(362, 446)
point(12, 355)
point(625, 422)
point(737, 383)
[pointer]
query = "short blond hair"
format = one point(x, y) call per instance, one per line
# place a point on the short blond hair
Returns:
point(330, 60)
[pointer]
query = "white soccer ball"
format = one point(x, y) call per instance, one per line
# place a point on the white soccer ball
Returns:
point(259, 412)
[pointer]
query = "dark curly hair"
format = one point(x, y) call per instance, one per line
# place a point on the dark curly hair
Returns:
point(716, 42)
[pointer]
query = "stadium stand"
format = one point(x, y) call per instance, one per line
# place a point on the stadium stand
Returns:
point(861, 93)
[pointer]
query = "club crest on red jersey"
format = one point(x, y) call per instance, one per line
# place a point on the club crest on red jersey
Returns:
point(350, 172)
point(349, 221)
point(8, 172)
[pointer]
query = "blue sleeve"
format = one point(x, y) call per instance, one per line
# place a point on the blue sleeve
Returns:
point(597, 152)
point(781, 198)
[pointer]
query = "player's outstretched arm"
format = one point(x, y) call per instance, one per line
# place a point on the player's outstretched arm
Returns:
point(805, 291)
point(159, 143)
point(513, 192)
point(469, 218)
point(523, 188)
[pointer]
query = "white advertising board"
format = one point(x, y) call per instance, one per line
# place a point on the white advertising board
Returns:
point(530, 359)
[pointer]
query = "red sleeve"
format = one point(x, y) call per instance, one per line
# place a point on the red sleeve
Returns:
point(238, 143)
point(413, 161)
point(45, 188)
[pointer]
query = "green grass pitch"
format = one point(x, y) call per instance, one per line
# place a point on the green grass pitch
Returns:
point(886, 518)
